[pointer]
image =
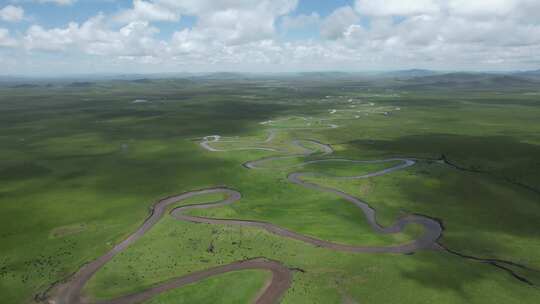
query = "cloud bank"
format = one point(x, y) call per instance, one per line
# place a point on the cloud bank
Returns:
point(248, 35)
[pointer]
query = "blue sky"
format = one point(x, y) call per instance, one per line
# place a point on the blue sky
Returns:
point(78, 36)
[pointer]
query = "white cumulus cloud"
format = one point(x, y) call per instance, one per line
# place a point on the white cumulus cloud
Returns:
point(301, 21)
point(397, 7)
point(147, 11)
point(335, 25)
point(5, 39)
point(12, 13)
point(95, 38)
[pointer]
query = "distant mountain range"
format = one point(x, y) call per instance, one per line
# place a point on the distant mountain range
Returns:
point(535, 73)
point(405, 79)
point(484, 81)
point(410, 73)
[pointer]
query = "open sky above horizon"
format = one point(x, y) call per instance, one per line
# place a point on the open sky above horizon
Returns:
point(54, 37)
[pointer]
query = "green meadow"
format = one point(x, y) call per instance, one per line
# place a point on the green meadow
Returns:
point(81, 167)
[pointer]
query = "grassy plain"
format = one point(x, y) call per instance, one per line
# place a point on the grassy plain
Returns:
point(80, 167)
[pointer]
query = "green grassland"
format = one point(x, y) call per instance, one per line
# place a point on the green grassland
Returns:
point(80, 168)
point(234, 287)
